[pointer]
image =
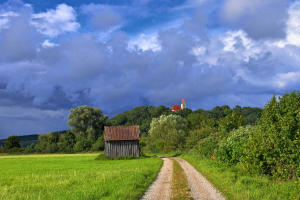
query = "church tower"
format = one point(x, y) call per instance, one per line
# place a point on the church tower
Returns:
point(183, 105)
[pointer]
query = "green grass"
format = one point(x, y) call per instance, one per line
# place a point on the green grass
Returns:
point(180, 188)
point(74, 176)
point(235, 186)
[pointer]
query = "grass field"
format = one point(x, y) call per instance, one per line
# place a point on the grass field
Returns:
point(74, 176)
point(236, 186)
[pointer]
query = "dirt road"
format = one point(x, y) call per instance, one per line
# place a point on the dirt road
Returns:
point(201, 189)
point(160, 189)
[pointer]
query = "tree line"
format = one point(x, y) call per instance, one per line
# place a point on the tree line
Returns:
point(87, 125)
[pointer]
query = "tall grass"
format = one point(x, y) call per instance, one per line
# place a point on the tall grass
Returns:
point(77, 176)
point(236, 186)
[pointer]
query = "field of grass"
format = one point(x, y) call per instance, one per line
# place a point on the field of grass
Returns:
point(74, 176)
point(236, 186)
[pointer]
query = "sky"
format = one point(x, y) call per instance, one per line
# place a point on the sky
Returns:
point(116, 55)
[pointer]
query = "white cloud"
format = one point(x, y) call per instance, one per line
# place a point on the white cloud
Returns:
point(235, 41)
point(293, 25)
point(47, 44)
point(4, 18)
point(55, 22)
point(282, 80)
point(145, 42)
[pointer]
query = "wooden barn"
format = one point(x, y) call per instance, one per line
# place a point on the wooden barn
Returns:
point(122, 141)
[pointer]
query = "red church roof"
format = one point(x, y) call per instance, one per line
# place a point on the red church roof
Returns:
point(176, 108)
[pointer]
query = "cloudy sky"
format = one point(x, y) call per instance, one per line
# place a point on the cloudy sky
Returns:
point(116, 55)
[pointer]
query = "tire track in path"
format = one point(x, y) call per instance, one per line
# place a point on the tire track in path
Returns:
point(160, 189)
point(201, 189)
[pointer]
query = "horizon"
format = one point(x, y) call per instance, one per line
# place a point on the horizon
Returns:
point(68, 127)
point(56, 55)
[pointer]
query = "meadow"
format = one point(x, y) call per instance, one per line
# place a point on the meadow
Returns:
point(235, 185)
point(74, 176)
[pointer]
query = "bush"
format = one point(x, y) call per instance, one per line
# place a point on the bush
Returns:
point(233, 148)
point(274, 148)
point(99, 144)
point(194, 136)
point(2, 150)
point(206, 146)
point(14, 150)
point(30, 148)
point(167, 133)
point(82, 145)
point(231, 122)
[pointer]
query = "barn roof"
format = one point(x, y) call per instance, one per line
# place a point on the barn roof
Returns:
point(113, 133)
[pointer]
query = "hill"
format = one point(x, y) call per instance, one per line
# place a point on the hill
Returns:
point(26, 140)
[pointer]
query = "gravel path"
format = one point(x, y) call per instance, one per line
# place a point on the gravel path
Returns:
point(200, 188)
point(160, 189)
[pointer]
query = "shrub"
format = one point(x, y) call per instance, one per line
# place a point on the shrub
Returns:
point(206, 146)
point(30, 148)
point(167, 133)
point(274, 148)
point(232, 149)
point(231, 122)
point(14, 150)
point(194, 136)
point(82, 145)
point(99, 144)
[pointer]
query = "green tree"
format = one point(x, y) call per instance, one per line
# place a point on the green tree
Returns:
point(184, 113)
point(12, 142)
point(167, 133)
point(231, 122)
point(195, 120)
point(274, 149)
point(194, 136)
point(219, 112)
point(82, 143)
point(233, 149)
point(70, 140)
point(141, 115)
point(251, 115)
point(66, 142)
point(87, 121)
point(206, 146)
point(99, 144)
point(43, 143)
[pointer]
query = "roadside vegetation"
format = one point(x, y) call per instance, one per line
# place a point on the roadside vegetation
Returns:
point(75, 176)
point(235, 184)
point(179, 188)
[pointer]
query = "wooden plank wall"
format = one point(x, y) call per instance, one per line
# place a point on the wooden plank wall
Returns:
point(122, 148)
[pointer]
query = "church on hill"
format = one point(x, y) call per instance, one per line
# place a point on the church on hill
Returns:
point(177, 108)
